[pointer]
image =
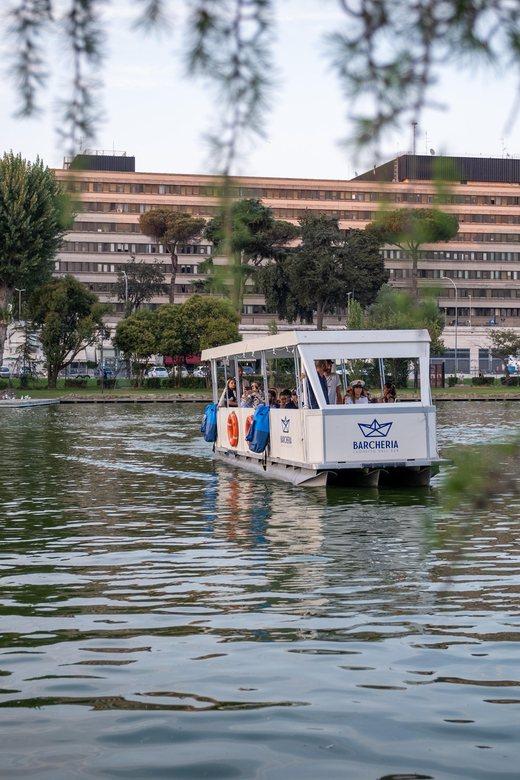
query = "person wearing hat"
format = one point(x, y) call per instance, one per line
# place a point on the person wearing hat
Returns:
point(357, 394)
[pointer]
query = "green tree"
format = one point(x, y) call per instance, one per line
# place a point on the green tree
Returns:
point(69, 318)
point(34, 214)
point(505, 344)
point(137, 338)
point(319, 274)
point(201, 323)
point(356, 317)
point(409, 229)
point(275, 281)
point(171, 228)
point(143, 281)
point(399, 310)
point(246, 231)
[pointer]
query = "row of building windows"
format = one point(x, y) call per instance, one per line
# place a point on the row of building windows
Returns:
point(248, 309)
point(283, 193)
point(142, 208)
point(197, 249)
point(140, 249)
point(107, 287)
point(485, 238)
point(133, 227)
point(471, 292)
point(434, 273)
point(439, 273)
point(209, 211)
point(493, 219)
point(396, 254)
point(497, 316)
point(479, 293)
point(361, 216)
point(293, 213)
point(107, 227)
point(65, 267)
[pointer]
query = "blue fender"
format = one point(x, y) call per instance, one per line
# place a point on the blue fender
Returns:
point(209, 423)
point(258, 434)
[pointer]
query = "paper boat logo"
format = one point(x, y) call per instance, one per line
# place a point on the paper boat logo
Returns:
point(285, 424)
point(375, 430)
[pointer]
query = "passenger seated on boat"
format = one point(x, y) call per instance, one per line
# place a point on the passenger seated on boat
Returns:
point(389, 394)
point(246, 402)
point(320, 368)
point(257, 397)
point(294, 398)
point(229, 395)
point(271, 398)
point(286, 401)
point(358, 394)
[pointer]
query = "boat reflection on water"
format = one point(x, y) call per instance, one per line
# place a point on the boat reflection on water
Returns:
point(255, 512)
point(332, 549)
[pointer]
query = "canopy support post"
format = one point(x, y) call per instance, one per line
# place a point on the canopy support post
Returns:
point(214, 380)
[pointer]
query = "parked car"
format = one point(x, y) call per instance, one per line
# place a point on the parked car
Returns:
point(5, 372)
point(157, 372)
point(248, 370)
point(201, 372)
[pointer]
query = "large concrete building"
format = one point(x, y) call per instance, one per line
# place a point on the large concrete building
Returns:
point(479, 270)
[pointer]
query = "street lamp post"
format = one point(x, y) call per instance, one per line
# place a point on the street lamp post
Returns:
point(456, 322)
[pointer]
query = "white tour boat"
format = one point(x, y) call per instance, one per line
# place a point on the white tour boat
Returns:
point(322, 443)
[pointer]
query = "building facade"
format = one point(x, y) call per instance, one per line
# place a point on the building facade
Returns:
point(476, 275)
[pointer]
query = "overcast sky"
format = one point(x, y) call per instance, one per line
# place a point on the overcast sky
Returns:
point(152, 111)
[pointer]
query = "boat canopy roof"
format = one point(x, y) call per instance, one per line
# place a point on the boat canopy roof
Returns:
point(329, 344)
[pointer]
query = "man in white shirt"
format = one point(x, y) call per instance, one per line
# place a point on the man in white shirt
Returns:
point(333, 383)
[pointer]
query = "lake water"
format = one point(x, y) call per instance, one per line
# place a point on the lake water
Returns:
point(166, 617)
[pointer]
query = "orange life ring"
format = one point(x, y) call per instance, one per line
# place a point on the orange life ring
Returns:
point(249, 420)
point(232, 429)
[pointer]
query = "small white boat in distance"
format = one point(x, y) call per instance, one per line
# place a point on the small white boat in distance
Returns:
point(319, 443)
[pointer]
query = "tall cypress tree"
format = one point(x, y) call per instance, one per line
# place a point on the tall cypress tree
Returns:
point(34, 214)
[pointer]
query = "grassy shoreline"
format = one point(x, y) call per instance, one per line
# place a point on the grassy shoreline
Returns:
point(40, 391)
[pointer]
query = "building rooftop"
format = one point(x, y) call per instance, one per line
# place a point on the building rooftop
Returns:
point(100, 160)
point(410, 167)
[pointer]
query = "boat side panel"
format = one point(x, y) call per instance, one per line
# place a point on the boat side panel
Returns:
point(286, 435)
point(314, 432)
point(376, 432)
point(341, 434)
point(223, 415)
